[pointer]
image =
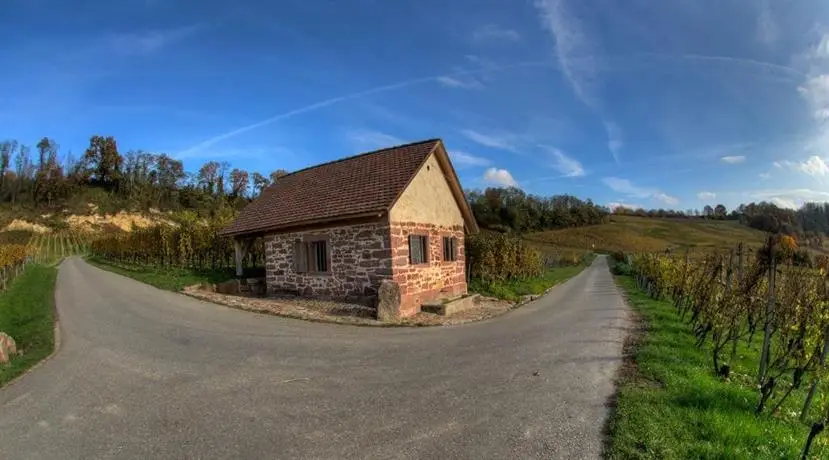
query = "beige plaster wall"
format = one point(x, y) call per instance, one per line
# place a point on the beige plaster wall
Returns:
point(428, 199)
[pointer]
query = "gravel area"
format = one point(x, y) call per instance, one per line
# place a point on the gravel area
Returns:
point(346, 313)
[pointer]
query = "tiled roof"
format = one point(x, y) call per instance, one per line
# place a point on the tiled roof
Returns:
point(352, 186)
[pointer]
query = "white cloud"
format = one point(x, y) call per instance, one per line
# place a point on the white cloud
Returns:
point(765, 176)
point(503, 142)
point(500, 177)
point(567, 166)
point(821, 51)
point(783, 202)
point(570, 40)
point(465, 159)
point(462, 82)
point(789, 198)
point(483, 63)
point(706, 196)
point(816, 92)
point(147, 42)
point(626, 187)
point(493, 32)
point(665, 198)
point(814, 166)
point(777, 164)
point(368, 139)
point(733, 159)
point(614, 139)
point(620, 204)
point(572, 49)
point(767, 29)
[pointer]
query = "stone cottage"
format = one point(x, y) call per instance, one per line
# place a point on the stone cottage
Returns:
point(338, 229)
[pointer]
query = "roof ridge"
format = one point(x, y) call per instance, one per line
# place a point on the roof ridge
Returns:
point(339, 160)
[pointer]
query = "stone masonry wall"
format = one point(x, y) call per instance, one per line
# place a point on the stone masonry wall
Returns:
point(431, 281)
point(359, 257)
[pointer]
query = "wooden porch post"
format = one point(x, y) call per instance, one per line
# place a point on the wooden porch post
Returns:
point(237, 247)
point(241, 246)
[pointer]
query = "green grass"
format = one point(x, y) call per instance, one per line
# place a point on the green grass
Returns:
point(671, 406)
point(27, 314)
point(513, 289)
point(170, 279)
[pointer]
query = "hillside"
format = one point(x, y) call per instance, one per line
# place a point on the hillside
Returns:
point(636, 234)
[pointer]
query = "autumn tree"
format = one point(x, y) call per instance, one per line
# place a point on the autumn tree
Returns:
point(239, 181)
point(260, 183)
point(276, 175)
point(49, 180)
point(7, 149)
point(208, 176)
point(708, 211)
point(221, 175)
point(23, 172)
point(102, 162)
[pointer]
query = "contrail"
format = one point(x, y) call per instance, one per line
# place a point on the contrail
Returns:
point(730, 60)
point(545, 63)
point(337, 100)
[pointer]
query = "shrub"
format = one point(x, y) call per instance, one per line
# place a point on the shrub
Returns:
point(620, 263)
point(501, 257)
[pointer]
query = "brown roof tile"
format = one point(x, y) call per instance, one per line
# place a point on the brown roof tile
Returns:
point(357, 185)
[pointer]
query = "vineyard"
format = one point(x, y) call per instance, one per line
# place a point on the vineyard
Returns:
point(50, 248)
point(191, 245)
point(738, 300)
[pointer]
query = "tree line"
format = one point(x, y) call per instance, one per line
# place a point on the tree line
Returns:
point(42, 178)
point(513, 210)
point(810, 222)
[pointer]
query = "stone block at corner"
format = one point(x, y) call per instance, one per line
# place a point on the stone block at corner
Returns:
point(388, 301)
point(7, 347)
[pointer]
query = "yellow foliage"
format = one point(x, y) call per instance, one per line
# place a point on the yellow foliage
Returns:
point(12, 254)
point(788, 243)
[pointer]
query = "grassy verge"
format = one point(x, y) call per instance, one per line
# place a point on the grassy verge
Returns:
point(513, 289)
point(27, 314)
point(170, 279)
point(671, 406)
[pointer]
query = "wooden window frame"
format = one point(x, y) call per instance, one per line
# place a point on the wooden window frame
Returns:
point(453, 250)
point(425, 247)
point(303, 248)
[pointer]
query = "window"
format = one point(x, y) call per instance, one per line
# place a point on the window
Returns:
point(418, 248)
point(450, 248)
point(318, 253)
point(311, 256)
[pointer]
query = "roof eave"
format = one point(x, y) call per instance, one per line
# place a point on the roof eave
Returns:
point(282, 228)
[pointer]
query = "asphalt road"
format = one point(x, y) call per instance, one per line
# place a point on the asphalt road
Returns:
point(144, 373)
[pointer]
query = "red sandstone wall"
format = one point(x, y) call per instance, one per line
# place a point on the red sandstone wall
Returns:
point(433, 280)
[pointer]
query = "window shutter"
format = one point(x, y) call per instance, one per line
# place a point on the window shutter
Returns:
point(412, 249)
point(300, 257)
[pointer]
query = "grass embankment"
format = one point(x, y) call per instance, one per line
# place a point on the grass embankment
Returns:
point(671, 406)
point(27, 315)
point(645, 234)
point(167, 278)
point(512, 290)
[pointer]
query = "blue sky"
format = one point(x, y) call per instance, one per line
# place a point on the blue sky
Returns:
point(659, 104)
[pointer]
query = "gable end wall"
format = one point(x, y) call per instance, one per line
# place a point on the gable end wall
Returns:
point(427, 207)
